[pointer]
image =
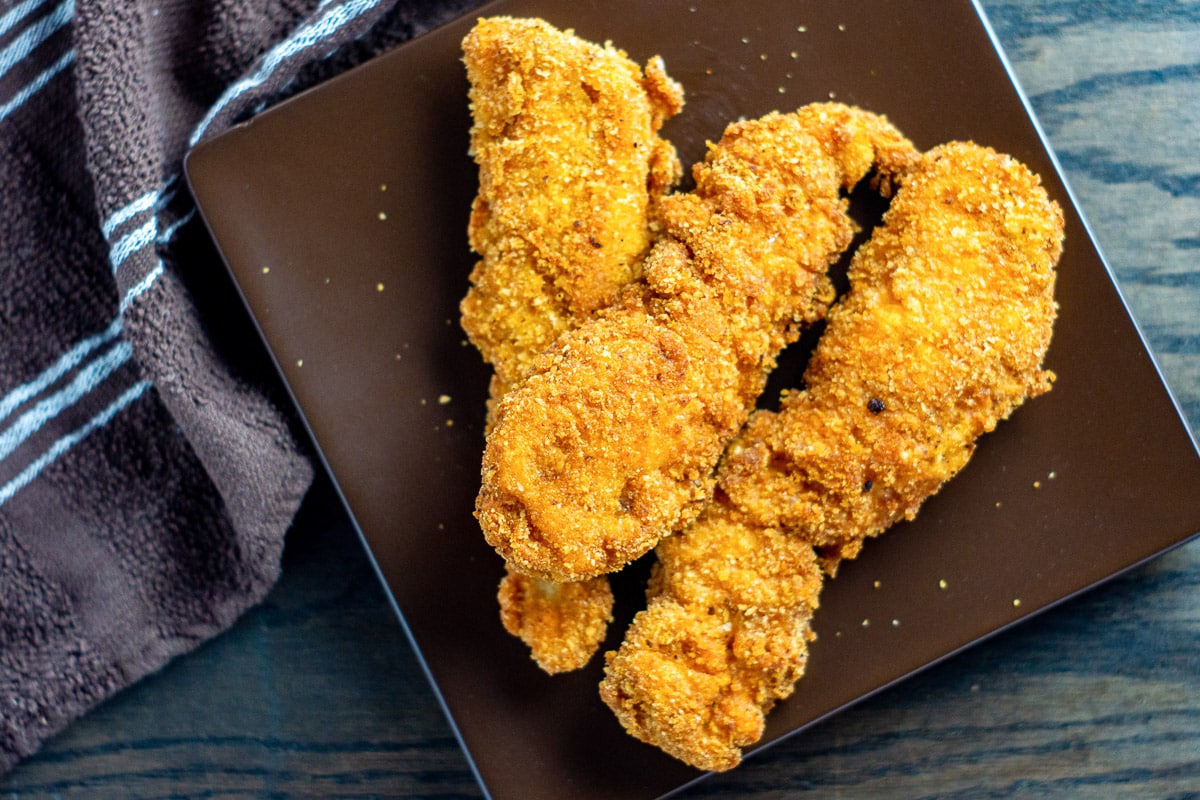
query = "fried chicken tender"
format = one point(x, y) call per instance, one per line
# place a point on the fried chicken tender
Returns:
point(942, 335)
point(611, 442)
point(724, 635)
point(563, 624)
point(952, 312)
point(565, 133)
point(571, 169)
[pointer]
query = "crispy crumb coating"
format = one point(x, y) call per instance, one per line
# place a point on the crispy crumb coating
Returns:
point(563, 624)
point(941, 335)
point(565, 133)
point(611, 442)
point(724, 635)
point(571, 169)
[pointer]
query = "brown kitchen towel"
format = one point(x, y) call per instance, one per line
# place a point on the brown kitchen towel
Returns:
point(148, 470)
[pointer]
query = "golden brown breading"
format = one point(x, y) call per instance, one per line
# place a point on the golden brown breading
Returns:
point(725, 633)
point(941, 335)
point(565, 133)
point(571, 168)
point(610, 444)
point(563, 624)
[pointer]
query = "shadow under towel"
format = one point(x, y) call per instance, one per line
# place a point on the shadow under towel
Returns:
point(149, 467)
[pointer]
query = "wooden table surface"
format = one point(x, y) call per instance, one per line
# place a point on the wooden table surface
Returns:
point(317, 693)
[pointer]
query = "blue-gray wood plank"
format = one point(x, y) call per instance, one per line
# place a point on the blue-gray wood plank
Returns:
point(317, 694)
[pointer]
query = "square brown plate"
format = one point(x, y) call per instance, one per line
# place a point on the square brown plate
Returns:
point(342, 216)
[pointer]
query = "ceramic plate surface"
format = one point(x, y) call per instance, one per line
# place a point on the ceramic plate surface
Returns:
point(342, 217)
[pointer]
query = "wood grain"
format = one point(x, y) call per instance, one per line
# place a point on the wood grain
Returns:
point(318, 694)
